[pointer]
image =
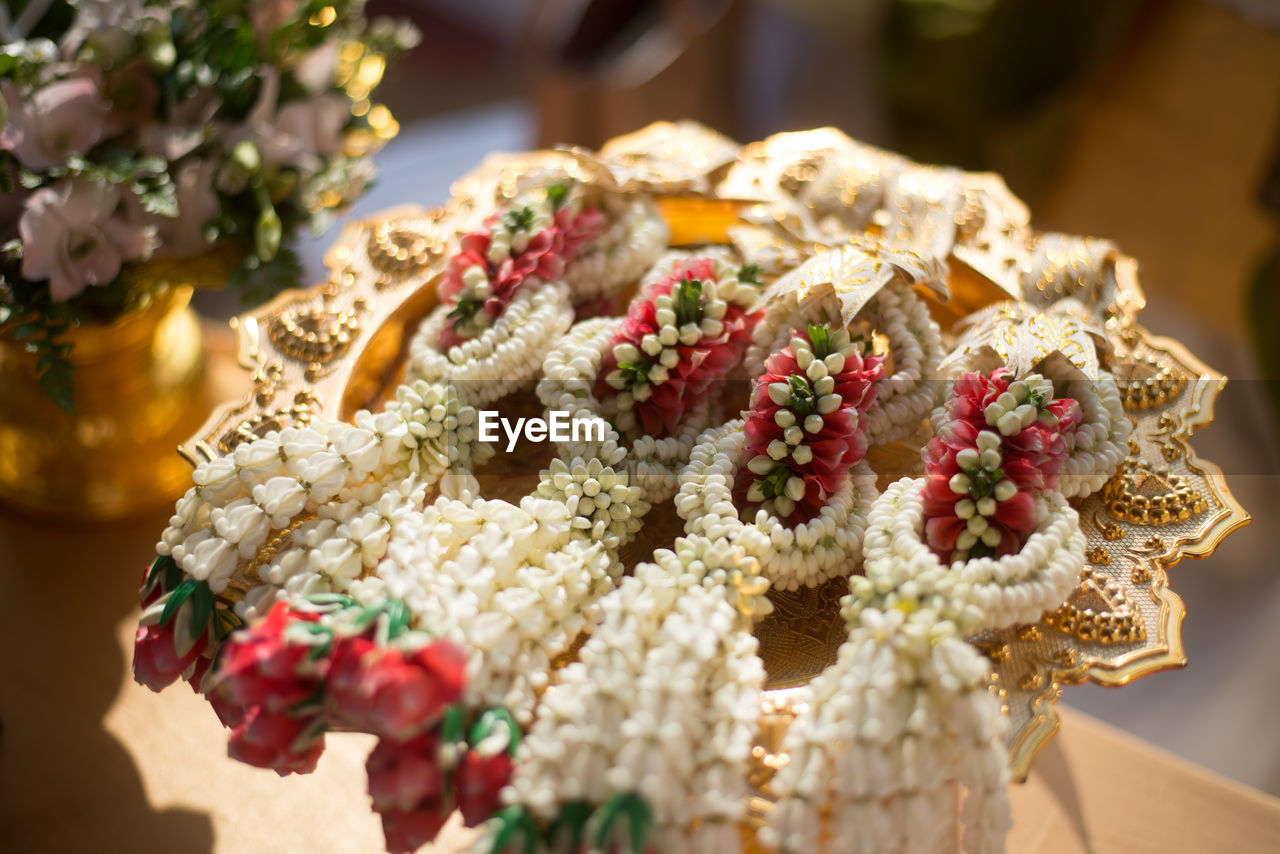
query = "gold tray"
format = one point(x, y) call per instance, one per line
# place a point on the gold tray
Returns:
point(329, 351)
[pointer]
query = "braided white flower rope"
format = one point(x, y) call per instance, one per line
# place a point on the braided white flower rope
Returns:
point(1100, 441)
point(327, 554)
point(663, 701)
point(265, 484)
point(1016, 588)
point(636, 236)
point(887, 734)
point(803, 555)
point(903, 397)
point(511, 583)
point(505, 356)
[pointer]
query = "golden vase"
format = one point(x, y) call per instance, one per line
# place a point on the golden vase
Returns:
point(139, 393)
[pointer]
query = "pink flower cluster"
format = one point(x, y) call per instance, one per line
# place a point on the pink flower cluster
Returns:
point(662, 387)
point(1001, 444)
point(543, 256)
point(804, 430)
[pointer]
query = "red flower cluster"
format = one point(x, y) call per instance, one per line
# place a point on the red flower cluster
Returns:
point(544, 256)
point(415, 787)
point(1001, 444)
point(664, 387)
point(165, 650)
point(804, 430)
point(280, 683)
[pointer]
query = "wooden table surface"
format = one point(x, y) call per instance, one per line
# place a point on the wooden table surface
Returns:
point(90, 761)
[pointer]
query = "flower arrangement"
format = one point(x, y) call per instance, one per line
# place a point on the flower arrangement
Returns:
point(651, 374)
point(514, 285)
point(547, 669)
point(908, 390)
point(140, 129)
point(788, 483)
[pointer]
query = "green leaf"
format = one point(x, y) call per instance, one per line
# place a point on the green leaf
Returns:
point(569, 829)
point(59, 382)
point(160, 566)
point(454, 723)
point(518, 219)
point(557, 194)
point(201, 606)
point(688, 300)
point(179, 595)
point(492, 718)
point(749, 274)
point(630, 807)
point(820, 338)
point(513, 825)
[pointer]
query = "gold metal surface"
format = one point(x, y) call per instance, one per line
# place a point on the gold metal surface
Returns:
point(139, 392)
point(789, 192)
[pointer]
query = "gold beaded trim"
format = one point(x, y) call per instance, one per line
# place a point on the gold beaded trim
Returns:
point(395, 250)
point(312, 334)
point(1177, 502)
point(1159, 388)
point(297, 415)
point(1116, 622)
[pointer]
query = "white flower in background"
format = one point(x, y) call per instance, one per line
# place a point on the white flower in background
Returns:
point(74, 236)
point(49, 125)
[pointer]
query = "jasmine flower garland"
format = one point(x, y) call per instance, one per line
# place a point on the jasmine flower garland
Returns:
point(263, 485)
point(651, 373)
point(661, 707)
point(908, 390)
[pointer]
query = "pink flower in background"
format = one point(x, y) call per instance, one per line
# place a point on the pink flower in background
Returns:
point(48, 126)
point(267, 16)
point(73, 236)
point(182, 236)
point(190, 123)
point(293, 134)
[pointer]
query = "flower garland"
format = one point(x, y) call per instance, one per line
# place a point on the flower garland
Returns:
point(526, 244)
point(780, 483)
point(1100, 441)
point(1004, 441)
point(508, 294)
point(656, 367)
point(635, 236)
point(904, 395)
point(656, 717)
point(885, 734)
point(791, 555)
point(806, 426)
point(686, 332)
point(506, 357)
point(1015, 588)
point(240, 499)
